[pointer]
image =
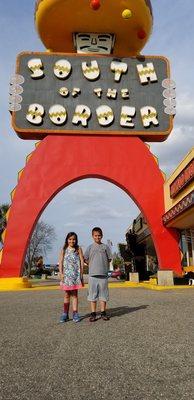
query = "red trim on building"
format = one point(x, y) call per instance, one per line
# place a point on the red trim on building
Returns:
point(182, 180)
point(183, 205)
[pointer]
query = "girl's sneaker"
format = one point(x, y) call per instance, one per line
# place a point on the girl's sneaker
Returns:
point(64, 318)
point(76, 317)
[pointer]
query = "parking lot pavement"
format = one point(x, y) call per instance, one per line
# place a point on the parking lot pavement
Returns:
point(144, 352)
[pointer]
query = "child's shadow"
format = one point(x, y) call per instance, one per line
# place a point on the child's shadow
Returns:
point(118, 311)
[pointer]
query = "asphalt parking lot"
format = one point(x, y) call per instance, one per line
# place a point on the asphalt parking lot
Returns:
point(144, 352)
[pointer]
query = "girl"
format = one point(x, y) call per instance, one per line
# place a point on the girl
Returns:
point(71, 264)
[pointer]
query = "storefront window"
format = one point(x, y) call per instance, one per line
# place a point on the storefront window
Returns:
point(187, 247)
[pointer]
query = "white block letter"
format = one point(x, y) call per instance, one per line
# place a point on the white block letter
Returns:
point(98, 92)
point(118, 68)
point(75, 92)
point(105, 115)
point(57, 114)
point(149, 115)
point(91, 73)
point(112, 93)
point(125, 93)
point(64, 92)
point(82, 114)
point(35, 65)
point(146, 73)
point(62, 69)
point(35, 113)
point(126, 114)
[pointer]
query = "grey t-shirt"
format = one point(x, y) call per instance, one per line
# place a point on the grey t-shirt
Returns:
point(98, 256)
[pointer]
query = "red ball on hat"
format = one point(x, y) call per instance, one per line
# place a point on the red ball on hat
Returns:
point(95, 4)
point(141, 34)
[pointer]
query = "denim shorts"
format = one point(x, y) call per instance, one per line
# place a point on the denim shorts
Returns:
point(98, 288)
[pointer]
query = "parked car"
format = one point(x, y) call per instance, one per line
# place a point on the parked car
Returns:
point(47, 266)
point(55, 270)
point(118, 274)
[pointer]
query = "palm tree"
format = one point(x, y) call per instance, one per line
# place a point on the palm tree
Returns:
point(3, 211)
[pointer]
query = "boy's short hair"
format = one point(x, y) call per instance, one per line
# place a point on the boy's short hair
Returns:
point(97, 229)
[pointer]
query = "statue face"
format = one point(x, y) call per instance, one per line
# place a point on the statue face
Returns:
point(60, 21)
point(101, 43)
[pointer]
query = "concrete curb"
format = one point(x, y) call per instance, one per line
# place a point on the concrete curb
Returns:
point(22, 284)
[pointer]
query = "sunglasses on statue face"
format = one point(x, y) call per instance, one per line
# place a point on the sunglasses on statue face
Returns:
point(101, 43)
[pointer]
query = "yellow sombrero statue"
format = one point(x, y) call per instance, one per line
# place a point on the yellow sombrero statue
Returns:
point(126, 23)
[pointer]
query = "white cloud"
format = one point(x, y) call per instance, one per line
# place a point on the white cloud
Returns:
point(85, 195)
point(89, 212)
point(185, 110)
point(72, 224)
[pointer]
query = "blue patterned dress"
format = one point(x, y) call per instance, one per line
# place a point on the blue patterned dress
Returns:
point(71, 270)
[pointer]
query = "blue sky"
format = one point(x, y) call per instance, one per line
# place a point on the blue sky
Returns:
point(75, 207)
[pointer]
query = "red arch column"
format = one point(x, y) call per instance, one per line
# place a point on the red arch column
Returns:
point(59, 161)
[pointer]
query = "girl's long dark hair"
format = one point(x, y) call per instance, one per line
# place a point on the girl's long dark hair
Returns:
point(66, 241)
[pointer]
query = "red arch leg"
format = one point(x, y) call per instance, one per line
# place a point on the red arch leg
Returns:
point(59, 161)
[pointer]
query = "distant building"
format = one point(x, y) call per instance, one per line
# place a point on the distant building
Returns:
point(179, 214)
point(141, 248)
point(179, 205)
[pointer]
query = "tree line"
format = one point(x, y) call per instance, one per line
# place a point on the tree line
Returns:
point(41, 241)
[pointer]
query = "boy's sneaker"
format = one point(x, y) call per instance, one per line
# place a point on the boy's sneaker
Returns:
point(64, 318)
point(104, 316)
point(93, 317)
point(76, 317)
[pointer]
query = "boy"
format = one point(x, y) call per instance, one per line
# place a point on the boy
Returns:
point(98, 256)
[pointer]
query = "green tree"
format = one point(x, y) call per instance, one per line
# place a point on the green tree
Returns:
point(125, 252)
point(40, 244)
point(117, 262)
point(3, 223)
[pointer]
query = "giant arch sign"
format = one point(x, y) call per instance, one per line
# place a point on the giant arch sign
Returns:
point(57, 169)
point(92, 111)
